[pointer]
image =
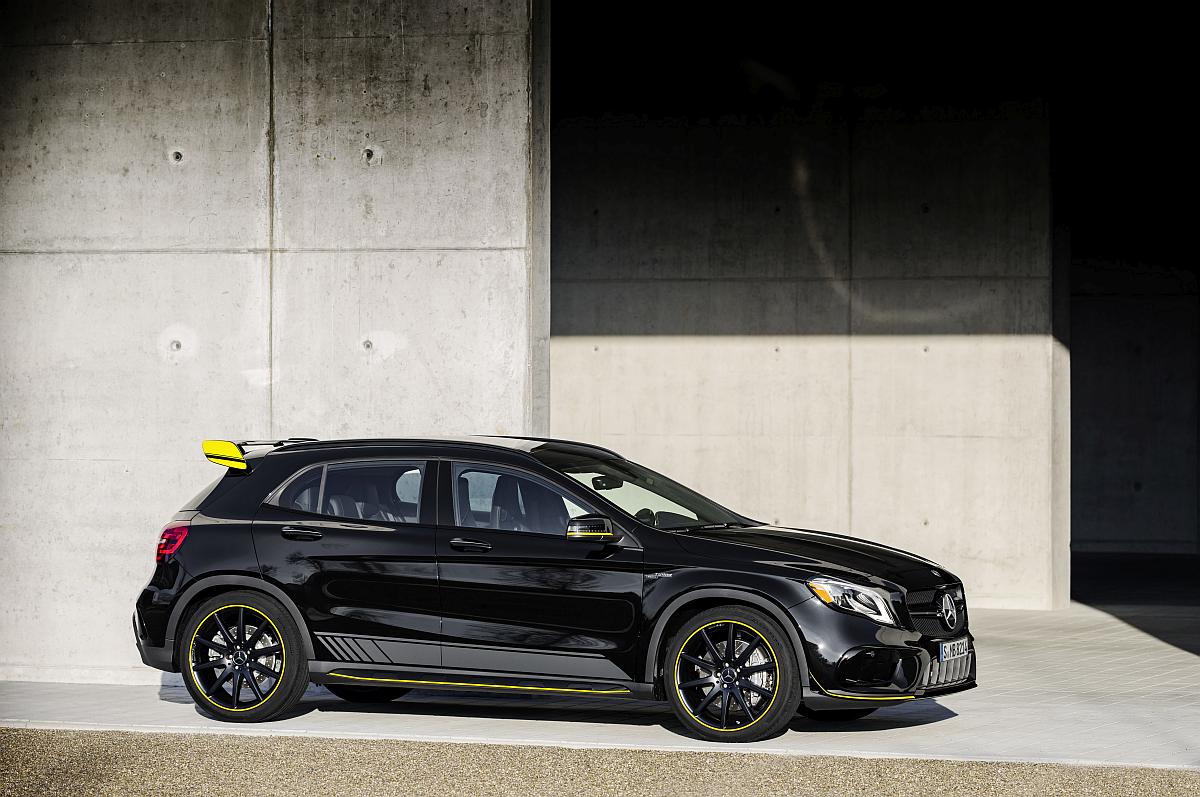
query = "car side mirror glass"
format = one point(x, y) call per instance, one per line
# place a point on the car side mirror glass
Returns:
point(592, 528)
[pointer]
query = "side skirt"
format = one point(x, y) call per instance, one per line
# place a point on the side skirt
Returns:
point(333, 672)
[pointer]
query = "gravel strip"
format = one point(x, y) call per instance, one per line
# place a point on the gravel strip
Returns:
point(122, 763)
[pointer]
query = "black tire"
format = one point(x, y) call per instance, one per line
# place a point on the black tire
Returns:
point(707, 688)
point(242, 657)
point(837, 714)
point(366, 694)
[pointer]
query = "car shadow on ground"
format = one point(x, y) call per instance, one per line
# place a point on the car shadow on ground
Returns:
point(423, 703)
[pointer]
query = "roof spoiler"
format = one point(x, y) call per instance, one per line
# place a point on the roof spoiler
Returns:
point(233, 455)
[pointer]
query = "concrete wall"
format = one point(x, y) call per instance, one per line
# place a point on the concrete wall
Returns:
point(843, 326)
point(270, 279)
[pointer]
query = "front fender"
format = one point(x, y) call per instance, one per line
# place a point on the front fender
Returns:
point(733, 594)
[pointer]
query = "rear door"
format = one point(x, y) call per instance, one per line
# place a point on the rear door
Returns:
point(353, 543)
point(517, 595)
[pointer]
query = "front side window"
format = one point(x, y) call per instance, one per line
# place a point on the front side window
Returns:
point(387, 491)
point(491, 498)
point(648, 496)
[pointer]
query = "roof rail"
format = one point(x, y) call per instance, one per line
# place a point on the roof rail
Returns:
point(554, 440)
point(277, 443)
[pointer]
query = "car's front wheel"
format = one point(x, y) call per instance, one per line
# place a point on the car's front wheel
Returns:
point(731, 675)
point(242, 657)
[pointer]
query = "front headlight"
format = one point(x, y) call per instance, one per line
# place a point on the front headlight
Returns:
point(854, 598)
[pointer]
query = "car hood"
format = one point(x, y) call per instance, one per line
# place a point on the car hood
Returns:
point(824, 552)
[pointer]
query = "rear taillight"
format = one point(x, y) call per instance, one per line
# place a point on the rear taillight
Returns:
point(169, 541)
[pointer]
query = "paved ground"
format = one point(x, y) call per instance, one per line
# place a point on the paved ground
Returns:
point(36, 762)
point(1077, 686)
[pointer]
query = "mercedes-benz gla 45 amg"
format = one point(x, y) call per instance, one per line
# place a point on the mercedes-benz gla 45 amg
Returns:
point(530, 566)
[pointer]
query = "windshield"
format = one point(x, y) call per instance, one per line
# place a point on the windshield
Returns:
point(650, 497)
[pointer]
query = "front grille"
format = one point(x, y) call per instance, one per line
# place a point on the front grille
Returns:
point(946, 673)
point(930, 626)
point(924, 607)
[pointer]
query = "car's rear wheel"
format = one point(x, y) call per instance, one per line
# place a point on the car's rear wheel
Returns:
point(366, 694)
point(836, 715)
point(731, 675)
point(242, 657)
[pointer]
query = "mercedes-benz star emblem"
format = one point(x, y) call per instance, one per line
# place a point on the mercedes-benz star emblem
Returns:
point(949, 613)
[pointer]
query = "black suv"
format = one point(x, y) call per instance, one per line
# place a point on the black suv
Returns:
point(536, 566)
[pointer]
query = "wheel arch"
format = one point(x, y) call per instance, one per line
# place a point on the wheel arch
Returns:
point(210, 586)
point(697, 600)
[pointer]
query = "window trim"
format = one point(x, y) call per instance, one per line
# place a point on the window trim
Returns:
point(423, 463)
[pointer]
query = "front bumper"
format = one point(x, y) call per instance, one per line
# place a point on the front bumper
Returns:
point(855, 661)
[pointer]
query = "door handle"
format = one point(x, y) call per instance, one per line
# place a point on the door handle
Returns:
point(461, 544)
point(300, 534)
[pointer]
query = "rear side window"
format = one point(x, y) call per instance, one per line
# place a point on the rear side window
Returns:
point(302, 493)
point(387, 491)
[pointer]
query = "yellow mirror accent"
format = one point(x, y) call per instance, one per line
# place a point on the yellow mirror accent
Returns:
point(225, 452)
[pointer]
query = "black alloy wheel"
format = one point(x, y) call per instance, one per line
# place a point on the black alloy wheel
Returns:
point(732, 675)
point(242, 659)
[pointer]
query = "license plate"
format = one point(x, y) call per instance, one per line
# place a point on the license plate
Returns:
point(952, 649)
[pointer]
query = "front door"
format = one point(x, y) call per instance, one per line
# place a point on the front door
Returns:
point(353, 545)
point(517, 595)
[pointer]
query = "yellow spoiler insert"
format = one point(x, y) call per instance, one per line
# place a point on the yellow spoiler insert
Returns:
point(225, 452)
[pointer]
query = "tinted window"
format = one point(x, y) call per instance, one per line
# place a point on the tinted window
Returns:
point(650, 497)
point(302, 493)
point(387, 491)
point(489, 498)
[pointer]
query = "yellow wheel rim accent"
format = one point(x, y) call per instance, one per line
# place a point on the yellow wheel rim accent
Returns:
point(282, 657)
point(774, 660)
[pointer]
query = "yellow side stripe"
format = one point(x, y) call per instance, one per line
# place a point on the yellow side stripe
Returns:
point(856, 697)
point(614, 691)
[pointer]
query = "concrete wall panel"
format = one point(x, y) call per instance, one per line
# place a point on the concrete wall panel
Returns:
point(297, 19)
point(959, 198)
point(757, 422)
point(445, 120)
point(671, 202)
point(388, 344)
point(979, 506)
point(30, 22)
point(90, 133)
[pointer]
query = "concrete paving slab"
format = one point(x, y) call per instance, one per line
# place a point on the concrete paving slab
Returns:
point(1075, 686)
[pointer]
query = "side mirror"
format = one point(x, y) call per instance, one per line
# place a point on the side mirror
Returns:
point(592, 528)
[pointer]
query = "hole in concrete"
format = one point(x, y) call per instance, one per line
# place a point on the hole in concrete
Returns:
point(177, 156)
point(368, 153)
point(368, 345)
point(176, 345)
